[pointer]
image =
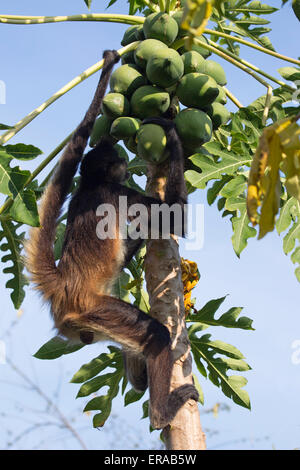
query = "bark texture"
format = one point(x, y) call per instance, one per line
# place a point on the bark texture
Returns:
point(165, 289)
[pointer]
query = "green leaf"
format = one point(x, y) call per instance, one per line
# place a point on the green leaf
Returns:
point(290, 73)
point(214, 191)
point(22, 151)
point(103, 403)
point(255, 7)
point(119, 289)
point(241, 225)
point(132, 396)
point(93, 368)
point(234, 187)
point(296, 8)
point(228, 320)
point(12, 244)
point(205, 350)
point(59, 240)
point(24, 208)
point(287, 215)
point(137, 166)
point(88, 3)
point(199, 389)
point(228, 164)
point(57, 347)
point(294, 233)
point(5, 127)
point(12, 181)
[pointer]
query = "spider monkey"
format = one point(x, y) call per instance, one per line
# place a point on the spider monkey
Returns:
point(78, 287)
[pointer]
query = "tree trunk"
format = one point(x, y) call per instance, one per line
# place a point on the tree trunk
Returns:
point(165, 288)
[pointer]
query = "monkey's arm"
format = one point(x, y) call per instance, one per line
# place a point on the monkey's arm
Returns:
point(39, 249)
point(73, 153)
point(176, 191)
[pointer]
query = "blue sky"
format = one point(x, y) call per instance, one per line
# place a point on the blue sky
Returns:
point(35, 62)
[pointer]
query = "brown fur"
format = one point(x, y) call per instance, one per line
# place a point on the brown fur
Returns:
point(78, 288)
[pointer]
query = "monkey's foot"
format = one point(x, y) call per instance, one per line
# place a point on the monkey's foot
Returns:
point(161, 416)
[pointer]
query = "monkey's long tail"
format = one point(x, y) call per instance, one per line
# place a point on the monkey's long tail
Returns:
point(40, 260)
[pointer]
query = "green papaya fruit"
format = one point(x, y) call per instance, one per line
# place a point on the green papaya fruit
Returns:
point(115, 105)
point(214, 70)
point(198, 48)
point(145, 50)
point(126, 79)
point(124, 127)
point(165, 68)
point(101, 128)
point(194, 127)
point(148, 101)
point(160, 26)
point(197, 90)
point(218, 114)
point(139, 33)
point(192, 61)
point(128, 58)
point(151, 143)
point(130, 35)
point(221, 98)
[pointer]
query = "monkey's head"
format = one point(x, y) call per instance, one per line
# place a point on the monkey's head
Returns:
point(103, 163)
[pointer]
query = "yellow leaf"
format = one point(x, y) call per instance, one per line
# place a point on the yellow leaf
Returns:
point(196, 15)
point(278, 150)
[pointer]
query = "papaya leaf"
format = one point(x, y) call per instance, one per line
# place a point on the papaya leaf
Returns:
point(210, 353)
point(59, 240)
point(240, 224)
point(12, 244)
point(228, 320)
point(5, 127)
point(290, 73)
point(132, 396)
point(296, 8)
point(293, 234)
point(111, 380)
point(22, 151)
point(24, 208)
point(93, 368)
point(12, 180)
point(254, 7)
point(199, 389)
point(290, 214)
point(215, 190)
point(119, 289)
point(57, 347)
point(228, 163)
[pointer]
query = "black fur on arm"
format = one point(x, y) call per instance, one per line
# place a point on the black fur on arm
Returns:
point(74, 151)
point(176, 192)
point(40, 256)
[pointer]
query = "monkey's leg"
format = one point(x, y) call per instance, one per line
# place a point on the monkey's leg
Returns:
point(142, 334)
point(136, 370)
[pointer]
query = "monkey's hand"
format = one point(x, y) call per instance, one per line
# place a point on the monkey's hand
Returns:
point(113, 54)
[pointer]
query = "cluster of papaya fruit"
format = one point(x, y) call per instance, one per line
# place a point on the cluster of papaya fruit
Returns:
point(154, 79)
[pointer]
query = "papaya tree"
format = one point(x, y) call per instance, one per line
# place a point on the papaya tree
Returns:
point(247, 161)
